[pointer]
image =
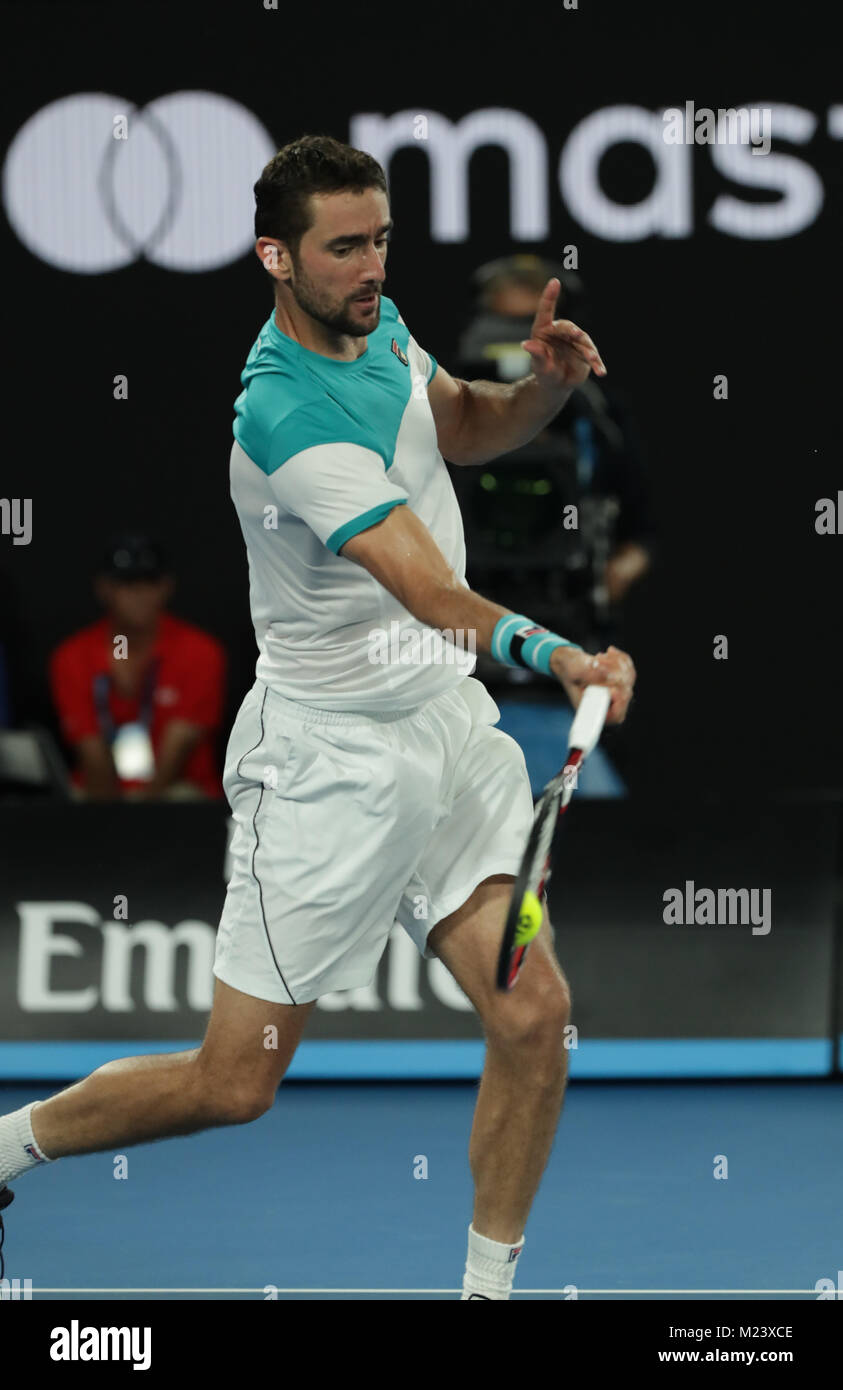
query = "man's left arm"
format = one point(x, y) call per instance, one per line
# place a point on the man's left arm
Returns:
point(477, 421)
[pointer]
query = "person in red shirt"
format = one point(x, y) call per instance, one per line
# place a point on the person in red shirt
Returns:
point(139, 693)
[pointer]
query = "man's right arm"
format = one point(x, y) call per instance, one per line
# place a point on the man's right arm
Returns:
point(402, 555)
point(343, 492)
point(70, 685)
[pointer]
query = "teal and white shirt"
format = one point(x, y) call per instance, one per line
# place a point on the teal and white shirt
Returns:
point(322, 450)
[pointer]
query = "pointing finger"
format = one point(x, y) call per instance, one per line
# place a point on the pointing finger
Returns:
point(547, 303)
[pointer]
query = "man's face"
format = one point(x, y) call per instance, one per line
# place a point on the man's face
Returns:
point(341, 258)
point(136, 603)
point(514, 299)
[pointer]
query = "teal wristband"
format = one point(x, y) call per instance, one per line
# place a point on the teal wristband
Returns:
point(518, 641)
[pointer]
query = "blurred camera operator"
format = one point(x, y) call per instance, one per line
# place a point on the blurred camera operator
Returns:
point(563, 525)
point(588, 458)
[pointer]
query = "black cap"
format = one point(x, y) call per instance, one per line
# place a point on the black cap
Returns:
point(529, 268)
point(134, 557)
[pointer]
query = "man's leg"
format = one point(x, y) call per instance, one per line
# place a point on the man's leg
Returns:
point(231, 1079)
point(525, 1073)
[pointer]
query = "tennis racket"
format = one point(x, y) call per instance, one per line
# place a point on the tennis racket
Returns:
point(524, 918)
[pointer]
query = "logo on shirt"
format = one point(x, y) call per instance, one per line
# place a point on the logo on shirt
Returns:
point(398, 353)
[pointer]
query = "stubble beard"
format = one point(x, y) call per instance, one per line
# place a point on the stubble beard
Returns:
point(340, 319)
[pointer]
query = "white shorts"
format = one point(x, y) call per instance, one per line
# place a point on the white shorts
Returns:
point(345, 823)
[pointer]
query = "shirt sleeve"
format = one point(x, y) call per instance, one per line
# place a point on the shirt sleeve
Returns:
point(338, 487)
point(72, 692)
point(430, 363)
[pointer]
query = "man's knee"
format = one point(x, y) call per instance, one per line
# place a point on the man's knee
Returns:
point(536, 1019)
point(231, 1099)
point(241, 1105)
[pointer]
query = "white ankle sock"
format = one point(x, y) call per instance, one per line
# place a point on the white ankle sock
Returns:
point(490, 1267)
point(18, 1148)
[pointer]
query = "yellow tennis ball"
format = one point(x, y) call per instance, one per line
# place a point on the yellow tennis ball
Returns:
point(529, 919)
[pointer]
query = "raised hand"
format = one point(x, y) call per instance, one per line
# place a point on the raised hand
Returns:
point(562, 354)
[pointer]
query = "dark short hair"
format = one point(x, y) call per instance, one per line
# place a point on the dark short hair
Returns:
point(311, 164)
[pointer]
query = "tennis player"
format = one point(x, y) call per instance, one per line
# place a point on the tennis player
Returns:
point(365, 787)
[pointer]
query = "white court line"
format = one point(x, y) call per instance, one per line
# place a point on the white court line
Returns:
point(276, 1289)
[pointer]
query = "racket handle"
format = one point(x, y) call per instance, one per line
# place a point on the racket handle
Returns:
point(590, 718)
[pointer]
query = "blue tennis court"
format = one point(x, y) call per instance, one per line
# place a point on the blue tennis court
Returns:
point(318, 1199)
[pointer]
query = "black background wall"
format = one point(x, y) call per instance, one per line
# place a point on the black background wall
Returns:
point(735, 482)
